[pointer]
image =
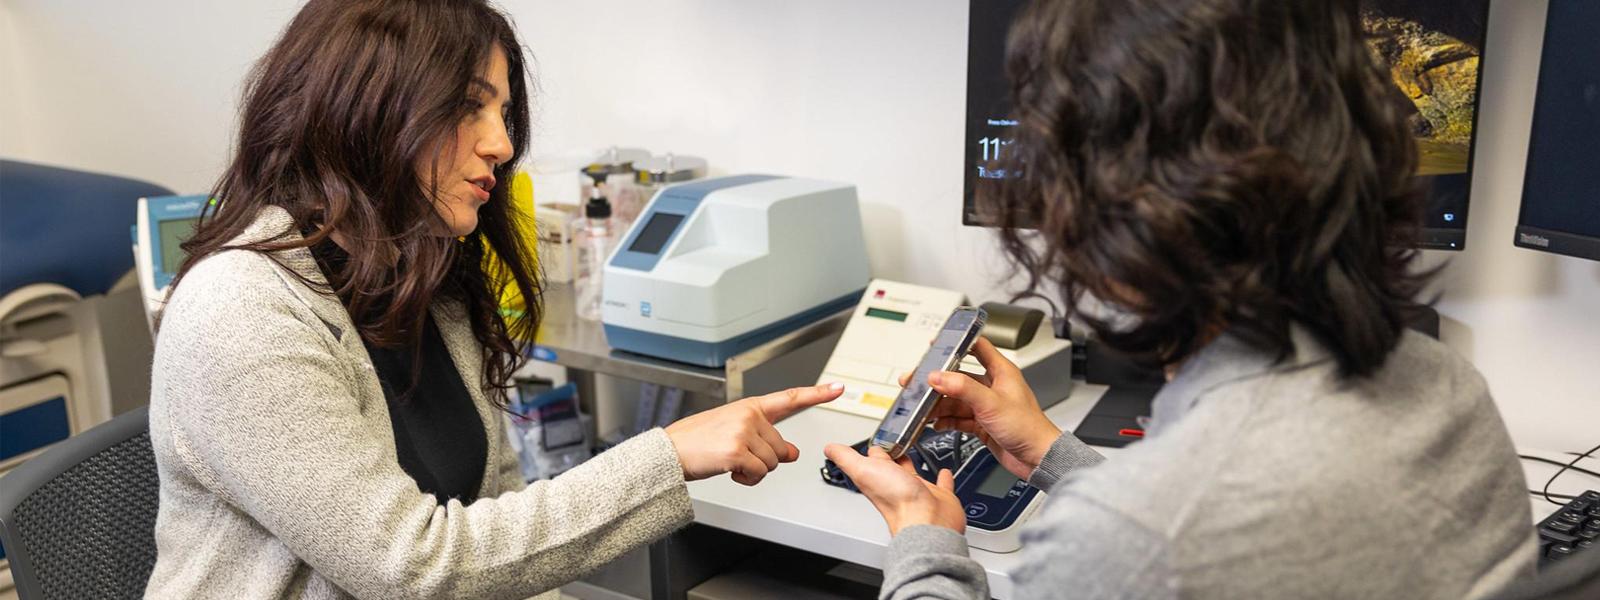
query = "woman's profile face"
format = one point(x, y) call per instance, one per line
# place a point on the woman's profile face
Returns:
point(465, 173)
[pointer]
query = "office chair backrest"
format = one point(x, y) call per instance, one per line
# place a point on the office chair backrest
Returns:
point(1576, 577)
point(79, 520)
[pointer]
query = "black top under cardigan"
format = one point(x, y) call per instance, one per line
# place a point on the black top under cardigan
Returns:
point(438, 433)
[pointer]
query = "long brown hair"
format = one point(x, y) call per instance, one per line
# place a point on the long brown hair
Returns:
point(1209, 163)
point(337, 116)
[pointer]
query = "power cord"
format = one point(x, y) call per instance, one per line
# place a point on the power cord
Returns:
point(1559, 464)
point(1567, 497)
point(1570, 466)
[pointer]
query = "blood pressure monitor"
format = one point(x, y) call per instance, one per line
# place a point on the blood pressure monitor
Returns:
point(997, 503)
point(163, 223)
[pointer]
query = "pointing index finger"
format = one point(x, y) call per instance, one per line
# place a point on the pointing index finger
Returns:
point(779, 405)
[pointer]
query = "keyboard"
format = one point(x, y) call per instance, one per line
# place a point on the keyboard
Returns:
point(1570, 529)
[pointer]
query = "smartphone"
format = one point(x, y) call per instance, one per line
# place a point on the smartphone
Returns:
point(906, 417)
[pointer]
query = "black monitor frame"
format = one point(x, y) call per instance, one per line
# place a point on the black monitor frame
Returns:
point(1429, 237)
point(975, 69)
point(1536, 238)
point(1455, 238)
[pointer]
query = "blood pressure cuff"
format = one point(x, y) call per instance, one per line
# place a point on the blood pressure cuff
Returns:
point(934, 450)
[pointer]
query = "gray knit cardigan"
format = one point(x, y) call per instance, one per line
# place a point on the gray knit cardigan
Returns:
point(278, 470)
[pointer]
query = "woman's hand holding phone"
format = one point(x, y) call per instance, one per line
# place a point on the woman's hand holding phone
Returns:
point(998, 407)
point(739, 438)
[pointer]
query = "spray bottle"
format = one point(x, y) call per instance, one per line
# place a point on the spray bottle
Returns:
point(593, 240)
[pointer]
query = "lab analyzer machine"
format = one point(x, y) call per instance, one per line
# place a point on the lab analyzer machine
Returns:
point(889, 332)
point(714, 267)
point(163, 223)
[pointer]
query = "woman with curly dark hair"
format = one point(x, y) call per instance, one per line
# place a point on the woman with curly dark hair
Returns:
point(1229, 184)
point(331, 367)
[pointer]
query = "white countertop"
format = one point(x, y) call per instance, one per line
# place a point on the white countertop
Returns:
point(793, 507)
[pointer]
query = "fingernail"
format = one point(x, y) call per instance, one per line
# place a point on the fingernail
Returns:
point(936, 378)
point(835, 386)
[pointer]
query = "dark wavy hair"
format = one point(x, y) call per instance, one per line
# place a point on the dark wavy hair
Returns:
point(1201, 165)
point(337, 116)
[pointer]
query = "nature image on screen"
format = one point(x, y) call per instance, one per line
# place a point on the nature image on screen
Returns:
point(1433, 49)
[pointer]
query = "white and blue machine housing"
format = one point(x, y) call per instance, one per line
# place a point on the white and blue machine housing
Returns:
point(163, 223)
point(715, 267)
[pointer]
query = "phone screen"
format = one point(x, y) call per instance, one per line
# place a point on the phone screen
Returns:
point(938, 356)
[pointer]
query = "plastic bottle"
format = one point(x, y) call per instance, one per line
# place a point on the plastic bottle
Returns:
point(593, 239)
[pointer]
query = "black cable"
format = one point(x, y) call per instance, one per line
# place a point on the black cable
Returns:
point(1560, 464)
point(1564, 469)
point(1561, 496)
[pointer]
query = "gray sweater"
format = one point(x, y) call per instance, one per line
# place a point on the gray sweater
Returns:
point(278, 470)
point(1264, 480)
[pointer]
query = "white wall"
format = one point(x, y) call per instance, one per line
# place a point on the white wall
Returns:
point(1530, 321)
point(144, 89)
point(865, 92)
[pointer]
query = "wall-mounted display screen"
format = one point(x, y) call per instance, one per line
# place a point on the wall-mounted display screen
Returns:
point(1431, 47)
point(1561, 186)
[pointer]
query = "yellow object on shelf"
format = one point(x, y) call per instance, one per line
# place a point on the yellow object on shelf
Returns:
point(512, 303)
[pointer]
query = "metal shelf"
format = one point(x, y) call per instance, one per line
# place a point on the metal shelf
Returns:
point(575, 343)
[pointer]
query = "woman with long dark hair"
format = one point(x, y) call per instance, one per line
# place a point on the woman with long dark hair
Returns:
point(331, 366)
point(1229, 185)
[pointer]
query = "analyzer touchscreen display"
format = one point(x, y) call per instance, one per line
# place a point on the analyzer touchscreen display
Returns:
point(938, 358)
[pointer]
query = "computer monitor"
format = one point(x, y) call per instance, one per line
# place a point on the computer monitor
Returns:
point(1561, 186)
point(989, 117)
point(1432, 48)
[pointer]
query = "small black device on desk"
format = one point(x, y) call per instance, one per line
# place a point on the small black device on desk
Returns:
point(996, 501)
point(1570, 529)
point(1116, 420)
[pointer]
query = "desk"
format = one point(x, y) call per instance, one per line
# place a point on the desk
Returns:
point(793, 507)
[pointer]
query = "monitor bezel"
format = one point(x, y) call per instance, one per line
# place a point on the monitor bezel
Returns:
point(1440, 238)
point(1429, 238)
point(1553, 242)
